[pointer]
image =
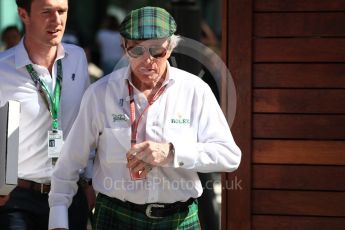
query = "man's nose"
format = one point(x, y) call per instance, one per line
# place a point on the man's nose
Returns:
point(147, 56)
point(56, 17)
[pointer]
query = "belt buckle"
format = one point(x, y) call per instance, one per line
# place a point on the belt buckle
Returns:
point(148, 210)
point(42, 189)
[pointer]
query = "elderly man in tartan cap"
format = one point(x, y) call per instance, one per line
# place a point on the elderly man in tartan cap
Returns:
point(154, 127)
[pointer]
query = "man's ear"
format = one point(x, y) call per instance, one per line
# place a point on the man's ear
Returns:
point(23, 14)
point(168, 54)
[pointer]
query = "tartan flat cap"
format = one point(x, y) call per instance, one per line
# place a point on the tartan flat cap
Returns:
point(148, 23)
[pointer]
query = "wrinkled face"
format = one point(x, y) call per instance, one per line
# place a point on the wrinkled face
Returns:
point(148, 59)
point(46, 22)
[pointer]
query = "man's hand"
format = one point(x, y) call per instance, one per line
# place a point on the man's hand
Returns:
point(4, 199)
point(142, 156)
point(90, 196)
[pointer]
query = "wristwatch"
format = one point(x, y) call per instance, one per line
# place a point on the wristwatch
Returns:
point(171, 153)
point(171, 149)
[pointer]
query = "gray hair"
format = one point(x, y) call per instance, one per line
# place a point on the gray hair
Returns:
point(174, 41)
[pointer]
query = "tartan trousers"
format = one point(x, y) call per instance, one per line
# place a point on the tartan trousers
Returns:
point(110, 215)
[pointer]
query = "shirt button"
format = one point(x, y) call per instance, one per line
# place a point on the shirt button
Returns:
point(180, 163)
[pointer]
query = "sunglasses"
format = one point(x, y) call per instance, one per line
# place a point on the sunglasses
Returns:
point(155, 51)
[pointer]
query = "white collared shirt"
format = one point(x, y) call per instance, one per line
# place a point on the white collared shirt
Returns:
point(186, 114)
point(35, 120)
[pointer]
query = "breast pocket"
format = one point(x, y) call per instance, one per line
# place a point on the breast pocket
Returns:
point(115, 144)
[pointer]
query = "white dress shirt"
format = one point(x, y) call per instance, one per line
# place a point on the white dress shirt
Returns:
point(186, 114)
point(35, 120)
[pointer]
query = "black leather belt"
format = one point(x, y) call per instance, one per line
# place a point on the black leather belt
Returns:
point(156, 210)
point(27, 184)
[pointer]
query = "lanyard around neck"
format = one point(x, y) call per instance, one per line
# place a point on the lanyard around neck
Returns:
point(53, 99)
point(134, 122)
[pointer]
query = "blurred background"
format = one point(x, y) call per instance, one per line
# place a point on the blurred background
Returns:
point(86, 17)
point(93, 25)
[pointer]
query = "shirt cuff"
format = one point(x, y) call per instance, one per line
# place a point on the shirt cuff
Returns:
point(58, 217)
point(185, 155)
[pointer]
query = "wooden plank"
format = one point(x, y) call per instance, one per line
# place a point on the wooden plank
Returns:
point(299, 203)
point(283, 126)
point(299, 177)
point(240, 45)
point(299, 24)
point(298, 5)
point(299, 75)
point(268, 222)
point(299, 152)
point(299, 50)
point(299, 101)
point(223, 102)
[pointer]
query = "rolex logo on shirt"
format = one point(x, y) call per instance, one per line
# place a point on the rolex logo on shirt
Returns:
point(179, 120)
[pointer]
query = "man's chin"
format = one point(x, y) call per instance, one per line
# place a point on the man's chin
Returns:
point(55, 42)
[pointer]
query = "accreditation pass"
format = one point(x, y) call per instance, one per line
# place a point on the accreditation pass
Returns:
point(55, 142)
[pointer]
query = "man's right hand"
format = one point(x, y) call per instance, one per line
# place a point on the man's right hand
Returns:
point(4, 199)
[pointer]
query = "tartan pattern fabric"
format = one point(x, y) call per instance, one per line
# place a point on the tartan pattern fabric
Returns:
point(109, 215)
point(148, 23)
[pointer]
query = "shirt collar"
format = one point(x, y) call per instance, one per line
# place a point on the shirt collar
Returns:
point(22, 57)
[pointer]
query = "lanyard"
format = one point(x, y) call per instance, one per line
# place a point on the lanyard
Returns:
point(134, 123)
point(53, 99)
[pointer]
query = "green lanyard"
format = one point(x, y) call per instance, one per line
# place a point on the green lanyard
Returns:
point(53, 100)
